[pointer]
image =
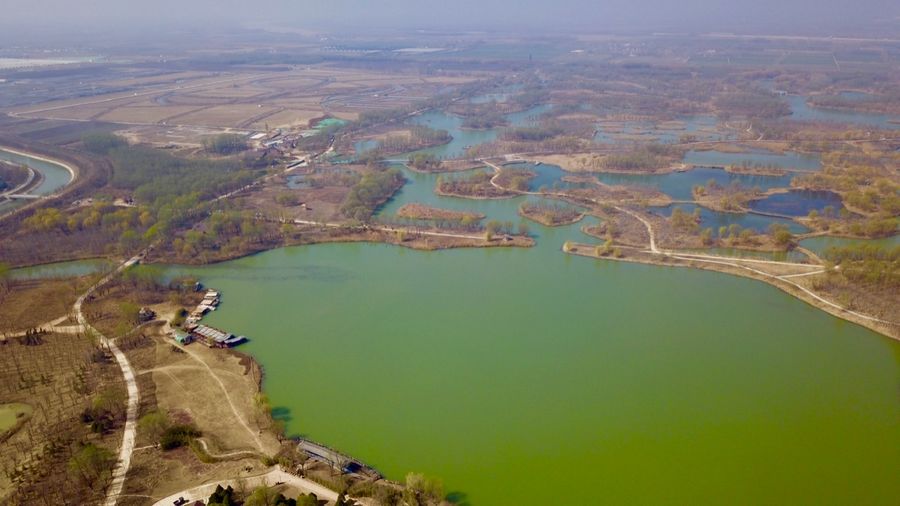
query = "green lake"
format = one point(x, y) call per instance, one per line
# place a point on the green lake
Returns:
point(527, 376)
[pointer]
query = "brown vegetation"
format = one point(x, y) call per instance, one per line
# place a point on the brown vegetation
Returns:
point(29, 304)
point(418, 211)
point(730, 198)
point(476, 186)
point(551, 215)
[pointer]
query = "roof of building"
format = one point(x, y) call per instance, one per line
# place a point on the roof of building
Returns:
point(214, 334)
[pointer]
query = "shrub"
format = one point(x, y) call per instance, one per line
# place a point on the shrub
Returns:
point(102, 144)
point(177, 436)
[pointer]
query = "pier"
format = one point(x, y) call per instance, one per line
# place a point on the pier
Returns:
point(337, 460)
point(210, 336)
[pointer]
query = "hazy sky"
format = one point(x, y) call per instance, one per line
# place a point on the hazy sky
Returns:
point(758, 16)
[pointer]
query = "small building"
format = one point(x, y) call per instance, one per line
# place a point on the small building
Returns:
point(215, 338)
point(146, 314)
point(182, 337)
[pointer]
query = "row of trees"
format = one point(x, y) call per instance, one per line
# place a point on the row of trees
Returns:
point(732, 234)
point(532, 133)
point(127, 227)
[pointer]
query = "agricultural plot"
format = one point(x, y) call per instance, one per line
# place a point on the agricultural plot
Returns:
point(808, 58)
point(145, 114)
point(286, 118)
point(164, 78)
point(242, 100)
point(234, 115)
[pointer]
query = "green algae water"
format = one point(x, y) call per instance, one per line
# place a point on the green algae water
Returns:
point(527, 376)
point(531, 377)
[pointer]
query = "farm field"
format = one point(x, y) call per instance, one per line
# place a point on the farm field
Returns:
point(244, 99)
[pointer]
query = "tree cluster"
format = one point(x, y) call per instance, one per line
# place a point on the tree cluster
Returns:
point(225, 144)
point(373, 189)
point(868, 264)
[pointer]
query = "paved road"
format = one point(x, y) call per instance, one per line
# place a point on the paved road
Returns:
point(271, 478)
point(124, 459)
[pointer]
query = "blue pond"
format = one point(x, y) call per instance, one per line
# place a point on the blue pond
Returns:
point(798, 202)
point(715, 219)
point(679, 185)
point(755, 158)
point(800, 110)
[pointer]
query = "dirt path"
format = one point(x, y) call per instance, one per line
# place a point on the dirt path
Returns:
point(253, 435)
point(167, 368)
point(650, 232)
point(244, 454)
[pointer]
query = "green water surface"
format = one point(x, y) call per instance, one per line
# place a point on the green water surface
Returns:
point(526, 376)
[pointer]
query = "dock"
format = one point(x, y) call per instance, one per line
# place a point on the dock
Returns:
point(337, 460)
point(215, 338)
point(209, 303)
point(210, 336)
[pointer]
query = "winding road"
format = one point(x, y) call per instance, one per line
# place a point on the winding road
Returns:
point(271, 478)
point(128, 437)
